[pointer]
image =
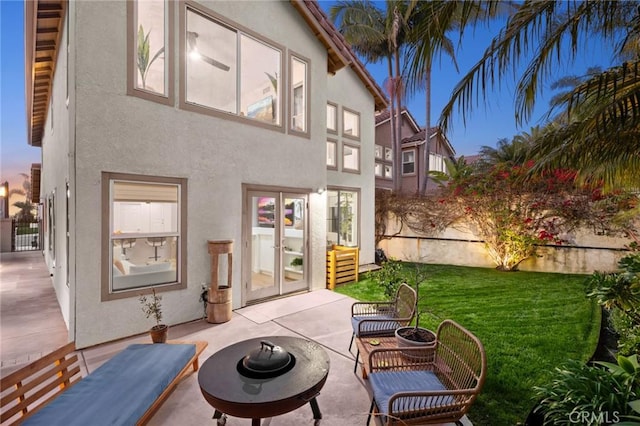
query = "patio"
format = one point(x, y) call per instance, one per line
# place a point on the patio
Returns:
point(31, 325)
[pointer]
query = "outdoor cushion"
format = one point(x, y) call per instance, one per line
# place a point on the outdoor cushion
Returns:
point(385, 384)
point(121, 390)
point(373, 327)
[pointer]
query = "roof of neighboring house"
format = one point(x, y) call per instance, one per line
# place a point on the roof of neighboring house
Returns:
point(383, 117)
point(434, 131)
point(43, 29)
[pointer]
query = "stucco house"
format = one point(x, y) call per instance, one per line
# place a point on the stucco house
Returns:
point(413, 147)
point(166, 124)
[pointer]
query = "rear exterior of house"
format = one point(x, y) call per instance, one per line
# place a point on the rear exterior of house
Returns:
point(169, 124)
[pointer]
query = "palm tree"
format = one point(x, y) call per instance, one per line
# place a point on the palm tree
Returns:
point(601, 138)
point(377, 34)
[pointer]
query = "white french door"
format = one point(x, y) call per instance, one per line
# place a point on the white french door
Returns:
point(276, 243)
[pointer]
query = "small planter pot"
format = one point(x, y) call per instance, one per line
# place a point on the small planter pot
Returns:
point(159, 333)
point(412, 337)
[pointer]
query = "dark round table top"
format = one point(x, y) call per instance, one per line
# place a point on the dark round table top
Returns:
point(232, 393)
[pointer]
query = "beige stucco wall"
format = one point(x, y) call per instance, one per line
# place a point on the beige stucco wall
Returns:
point(460, 246)
point(118, 133)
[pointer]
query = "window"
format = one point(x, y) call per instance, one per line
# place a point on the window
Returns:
point(342, 217)
point(409, 162)
point(332, 148)
point(378, 151)
point(377, 169)
point(388, 154)
point(299, 89)
point(144, 234)
point(436, 162)
point(230, 71)
point(350, 158)
point(388, 172)
point(350, 124)
point(332, 118)
point(51, 217)
point(150, 60)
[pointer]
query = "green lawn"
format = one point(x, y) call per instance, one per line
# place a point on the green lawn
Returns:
point(528, 322)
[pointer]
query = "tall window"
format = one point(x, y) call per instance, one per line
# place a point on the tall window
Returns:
point(378, 150)
point(145, 233)
point(150, 50)
point(377, 169)
point(409, 162)
point(332, 118)
point(230, 71)
point(298, 95)
point(342, 217)
point(332, 160)
point(350, 124)
point(388, 171)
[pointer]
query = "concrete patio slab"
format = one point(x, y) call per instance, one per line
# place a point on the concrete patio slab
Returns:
point(321, 316)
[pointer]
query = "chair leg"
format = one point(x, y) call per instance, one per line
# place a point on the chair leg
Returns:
point(373, 404)
point(355, 367)
point(353, 336)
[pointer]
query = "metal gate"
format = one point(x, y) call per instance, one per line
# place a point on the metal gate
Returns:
point(26, 235)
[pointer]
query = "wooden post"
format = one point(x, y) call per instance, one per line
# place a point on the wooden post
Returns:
point(219, 303)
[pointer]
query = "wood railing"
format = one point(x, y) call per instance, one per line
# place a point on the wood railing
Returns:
point(342, 265)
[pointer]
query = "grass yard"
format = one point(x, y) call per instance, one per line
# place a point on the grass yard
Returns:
point(528, 322)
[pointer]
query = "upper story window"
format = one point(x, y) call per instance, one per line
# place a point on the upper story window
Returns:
point(377, 169)
point(144, 236)
point(150, 61)
point(230, 71)
point(388, 171)
point(350, 124)
point(409, 162)
point(350, 158)
point(332, 152)
point(299, 95)
point(332, 118)
point(388, 154)
point(378, 151)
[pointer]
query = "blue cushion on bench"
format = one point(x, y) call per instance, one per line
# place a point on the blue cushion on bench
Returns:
point(371, 328)
point(385, 384)
point(121, 390)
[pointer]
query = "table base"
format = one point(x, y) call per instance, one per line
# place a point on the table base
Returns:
point(313, 402)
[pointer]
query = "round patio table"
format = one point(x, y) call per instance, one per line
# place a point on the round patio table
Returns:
point(230, 392)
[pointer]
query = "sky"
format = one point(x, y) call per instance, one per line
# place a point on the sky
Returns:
point(485, 125)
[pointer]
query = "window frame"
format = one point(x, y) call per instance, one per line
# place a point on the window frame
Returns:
point(357, 114)
point(378, 165)
point(307, 91)
point(335, 153)
point(388, 154)
point(357, 221)
point(409, 151)
point(241, 30)
point(330, 130)
point(390, 168)
point(378, 152)
point(107, 243)
point(356, 148)
point(132, 37)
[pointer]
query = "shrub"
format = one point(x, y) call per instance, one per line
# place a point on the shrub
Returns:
point(389, 277)
point(590, 395)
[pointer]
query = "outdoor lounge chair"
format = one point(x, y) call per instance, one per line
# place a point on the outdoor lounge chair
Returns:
point(382, 318)
point(428, 385)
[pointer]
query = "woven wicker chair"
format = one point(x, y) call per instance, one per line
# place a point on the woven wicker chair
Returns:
point(382, 318)
point(433, 385)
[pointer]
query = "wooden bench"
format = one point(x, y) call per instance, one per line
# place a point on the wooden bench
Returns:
point(40, 391)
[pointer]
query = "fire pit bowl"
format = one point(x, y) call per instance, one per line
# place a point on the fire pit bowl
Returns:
point(260, 378)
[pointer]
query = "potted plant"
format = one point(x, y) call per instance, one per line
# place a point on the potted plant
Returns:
point(152, 307)
point(296, 262)
point(415, 335)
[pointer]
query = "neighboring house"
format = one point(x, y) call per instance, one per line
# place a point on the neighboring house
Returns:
point(413, 146)
point(167, 124)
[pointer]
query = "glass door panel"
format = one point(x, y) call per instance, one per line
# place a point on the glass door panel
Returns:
point(294, 243)
point(262, 246)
